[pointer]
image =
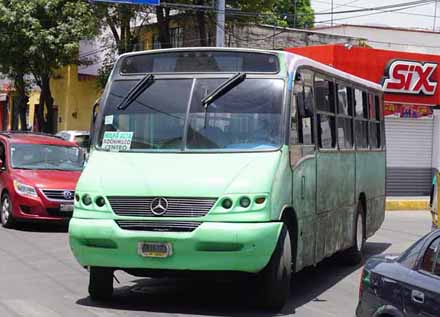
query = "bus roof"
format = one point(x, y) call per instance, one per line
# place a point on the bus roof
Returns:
point(292, 60)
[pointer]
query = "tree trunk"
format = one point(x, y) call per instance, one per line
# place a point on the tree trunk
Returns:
point(20, 103)
point(45, 118)
point(163, 15)
point(201, 23)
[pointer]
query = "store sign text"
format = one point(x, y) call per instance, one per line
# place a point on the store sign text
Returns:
point(410, 77)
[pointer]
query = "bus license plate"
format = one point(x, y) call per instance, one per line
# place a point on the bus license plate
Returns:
point(154, 249)
point(66, 208)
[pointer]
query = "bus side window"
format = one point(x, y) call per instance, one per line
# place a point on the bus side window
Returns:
point(361, 119)
point(307, 117)
point(325, 105)
point(345, 119)
point(301, 119)
point(375, 126)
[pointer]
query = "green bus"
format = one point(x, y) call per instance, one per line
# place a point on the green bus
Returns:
point(209, 160)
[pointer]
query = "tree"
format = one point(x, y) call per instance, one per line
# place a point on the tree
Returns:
point(14, 62)
point(124, 22)
point(50, 31)
point(293, 13)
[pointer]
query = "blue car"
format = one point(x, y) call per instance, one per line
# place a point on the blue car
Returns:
point(405, 285)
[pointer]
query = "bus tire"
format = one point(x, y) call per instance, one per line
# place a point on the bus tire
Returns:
point(274, 281)
point(355, 255)
point(100, 283)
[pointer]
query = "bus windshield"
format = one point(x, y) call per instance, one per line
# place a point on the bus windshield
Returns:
point(169, 115)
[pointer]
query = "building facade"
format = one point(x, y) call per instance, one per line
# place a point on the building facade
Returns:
point(389, 38)
point(412, 125)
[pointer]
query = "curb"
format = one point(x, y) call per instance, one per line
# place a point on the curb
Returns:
point(392, 205)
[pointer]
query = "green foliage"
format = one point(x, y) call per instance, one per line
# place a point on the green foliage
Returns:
point(41, 36)
point(292, 13)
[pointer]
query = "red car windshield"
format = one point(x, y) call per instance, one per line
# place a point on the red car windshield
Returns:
point(46, 157)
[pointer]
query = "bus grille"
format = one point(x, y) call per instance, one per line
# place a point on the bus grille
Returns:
point(162, 226)
point(177, 206)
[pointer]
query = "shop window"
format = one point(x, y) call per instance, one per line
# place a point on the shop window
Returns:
point(156, 41)
point(324, 91)
point(429, 258)
point(360, 104)
point(345, 133)
point(375, 138)
point(344, 100)
point(326, 131)
point(361, 133)
point(176, 37)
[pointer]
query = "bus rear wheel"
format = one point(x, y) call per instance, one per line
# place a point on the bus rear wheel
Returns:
point(101, 283)
point(274, 281)
point(355, 255)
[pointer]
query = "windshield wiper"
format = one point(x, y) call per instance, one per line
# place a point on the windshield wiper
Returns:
point(135, 92)
point(223, 89)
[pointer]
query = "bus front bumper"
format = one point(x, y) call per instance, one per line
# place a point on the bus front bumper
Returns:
point(213, 246)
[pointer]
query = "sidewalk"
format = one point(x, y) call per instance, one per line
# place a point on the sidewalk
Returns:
point(407, 203)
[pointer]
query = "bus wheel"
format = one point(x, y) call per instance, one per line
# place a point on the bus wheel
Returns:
point(100, 283)
point(355, 254)
point(274, 281)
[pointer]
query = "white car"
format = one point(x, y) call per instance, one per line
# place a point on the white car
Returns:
point(82, 138)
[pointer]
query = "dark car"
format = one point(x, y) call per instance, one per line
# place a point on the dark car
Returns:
point(406, 285)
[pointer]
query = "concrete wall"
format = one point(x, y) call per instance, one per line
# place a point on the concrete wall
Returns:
point(267, 37)
point(249, 36)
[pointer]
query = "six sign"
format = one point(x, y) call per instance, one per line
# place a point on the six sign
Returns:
point(410, 77)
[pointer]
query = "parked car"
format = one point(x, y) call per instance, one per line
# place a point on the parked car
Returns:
point(82, 138)
point(406, 285)
point(38, 175)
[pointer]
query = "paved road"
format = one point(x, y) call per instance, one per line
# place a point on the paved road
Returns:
point(39, 277)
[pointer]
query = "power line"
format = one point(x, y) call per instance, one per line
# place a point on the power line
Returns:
point(373, 13)
point(234, 12)
point(359, 7)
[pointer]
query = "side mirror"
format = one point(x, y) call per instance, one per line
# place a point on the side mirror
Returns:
point(92, 123)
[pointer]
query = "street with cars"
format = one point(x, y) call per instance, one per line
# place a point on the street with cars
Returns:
point(40, 277)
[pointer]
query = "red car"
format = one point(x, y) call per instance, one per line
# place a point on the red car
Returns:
point(38, 175)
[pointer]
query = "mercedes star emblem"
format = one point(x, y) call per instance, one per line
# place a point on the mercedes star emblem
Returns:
point(159, 206)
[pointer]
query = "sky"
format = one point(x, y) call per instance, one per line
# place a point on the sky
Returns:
point(421, 16)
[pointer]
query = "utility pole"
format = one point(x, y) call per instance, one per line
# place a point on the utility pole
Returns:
point(294, 17)
point(331, 23)
point(435, 16)
point(220, 34)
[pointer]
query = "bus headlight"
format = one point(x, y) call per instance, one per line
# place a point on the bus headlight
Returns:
point(86, 199)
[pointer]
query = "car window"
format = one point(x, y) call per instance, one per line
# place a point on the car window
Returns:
point(3, 153)
point(429, 258)
point(82, 140)
point(410, 256)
